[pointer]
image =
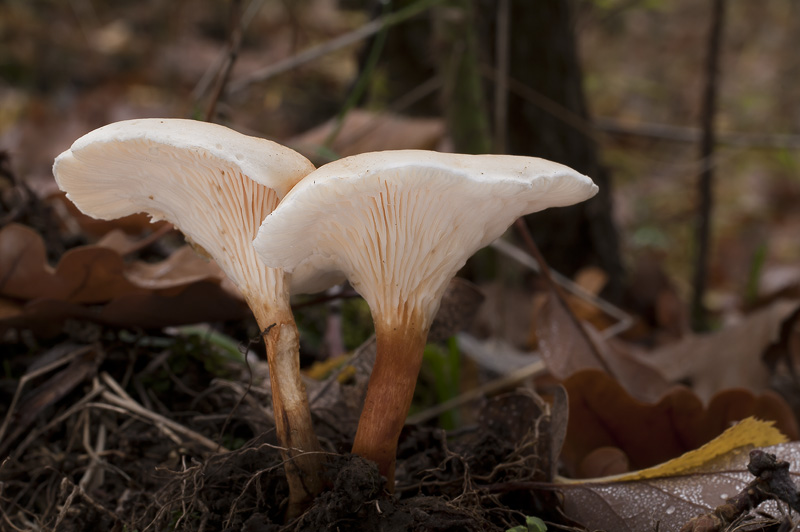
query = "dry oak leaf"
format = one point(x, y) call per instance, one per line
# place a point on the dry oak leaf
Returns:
point(183, 288)
point(568, 346)
point(666, 497)
point(89, 274)
point(731, 357)
point(603, 415)
point(194, 303)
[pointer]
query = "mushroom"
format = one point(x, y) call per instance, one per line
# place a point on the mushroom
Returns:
point(400, 225)
point(215, 185)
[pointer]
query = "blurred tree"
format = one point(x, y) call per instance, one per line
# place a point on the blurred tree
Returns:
point(548, 118)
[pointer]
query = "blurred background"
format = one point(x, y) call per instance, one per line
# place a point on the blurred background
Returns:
point(612, 88)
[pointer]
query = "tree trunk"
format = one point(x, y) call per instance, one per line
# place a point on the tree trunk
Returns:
point(548, 118)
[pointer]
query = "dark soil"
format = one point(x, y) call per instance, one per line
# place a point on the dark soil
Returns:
point(83, 462)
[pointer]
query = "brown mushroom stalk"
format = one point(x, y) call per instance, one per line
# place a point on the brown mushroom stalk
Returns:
point(391, 387)
point(400, 225)
point(216, 186)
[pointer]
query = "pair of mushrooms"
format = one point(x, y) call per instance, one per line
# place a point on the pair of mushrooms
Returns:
point(397, 224)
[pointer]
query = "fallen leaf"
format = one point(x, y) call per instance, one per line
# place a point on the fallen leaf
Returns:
point(665, 498)
point(749, 432)
point(568, 346)
point(602, 414)
point(198, 302)
point(183, 288)
point(183, 266)
point(728, 358)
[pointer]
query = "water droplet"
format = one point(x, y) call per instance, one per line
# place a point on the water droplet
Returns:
point(670, 510)
point(723, 496)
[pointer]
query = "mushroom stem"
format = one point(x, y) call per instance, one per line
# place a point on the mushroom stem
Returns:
point(391, 387)
point(301, 449)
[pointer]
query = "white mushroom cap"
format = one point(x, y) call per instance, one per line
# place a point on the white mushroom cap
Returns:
point(400, 224)
point(214, 184)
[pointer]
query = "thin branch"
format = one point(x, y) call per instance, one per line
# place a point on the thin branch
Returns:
point(361, 83)
point(704, 209)
point(333, 45)
point(505, 382)
point(234, 44)
point(501, 75)
point(691, 135)
point(624, 320)
point(555, 109)
point(553, 287)
point(118, 397)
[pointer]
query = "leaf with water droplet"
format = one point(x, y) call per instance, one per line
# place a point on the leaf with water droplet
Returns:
point(667, 496)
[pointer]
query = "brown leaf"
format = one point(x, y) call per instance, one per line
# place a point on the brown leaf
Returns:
point(602, 414)
point(184, 288)
point(198, 302)
point(568, 346)
point(184, 266)
point(728, 358)
point(669, 502)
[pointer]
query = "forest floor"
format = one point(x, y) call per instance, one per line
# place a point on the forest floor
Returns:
point(118, 411)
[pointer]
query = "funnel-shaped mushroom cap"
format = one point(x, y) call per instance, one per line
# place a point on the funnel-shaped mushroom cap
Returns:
point(214, 184)
point(400, 224)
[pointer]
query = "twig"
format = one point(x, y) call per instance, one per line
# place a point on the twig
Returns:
point(493, 386)
point(94, 473)
point(416, 94)
point(501, 75)
point(234, 44)
point(555, 109)
point(772, 482)
point(333, 45)
point(360, 85)
point(624, 320)
point(704, 209)
point(74, 355)
point(123, 400)
point(344, 294)
point(465, 105)
point(212, 70)
point(544, 270)
point(79, 491)
point(692, 135)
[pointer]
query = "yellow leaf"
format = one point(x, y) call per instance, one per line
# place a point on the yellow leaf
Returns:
point(749, 432)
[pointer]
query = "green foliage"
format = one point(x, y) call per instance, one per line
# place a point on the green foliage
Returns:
point(532, 524)
point(356, 322)
point(220, 344)
point(191, 346)
point(754, 275)
point(650, 237)
point(444, 367)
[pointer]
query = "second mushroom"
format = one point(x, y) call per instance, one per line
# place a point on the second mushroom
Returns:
point(399, 225)
point(216, 186)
